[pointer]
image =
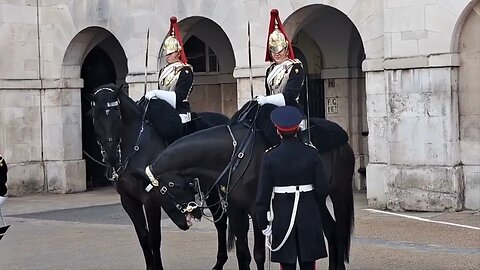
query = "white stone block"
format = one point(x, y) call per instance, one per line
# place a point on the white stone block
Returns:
point(439, 19)
point(375, 83)
point(66, 176)
point(471, 176)
point(469, 152)
point(403, 48)
point(374, 48)
point(377, 190)
point(406, 18)
point(406, 3)
point(25, 178)
point(406, 153)
point(377, 139)
point(424, 188)
point(363, 11)
point(436, 43)
point(376, 105)
point(406, 105)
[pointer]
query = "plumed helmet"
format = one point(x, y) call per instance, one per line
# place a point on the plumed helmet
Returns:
point(171, 45)
point(277, 41)
point(277, 37)
point(173, 42)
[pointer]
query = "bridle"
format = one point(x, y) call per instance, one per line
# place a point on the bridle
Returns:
point(117, 141)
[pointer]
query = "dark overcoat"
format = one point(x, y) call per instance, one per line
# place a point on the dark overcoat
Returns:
point(289, 164)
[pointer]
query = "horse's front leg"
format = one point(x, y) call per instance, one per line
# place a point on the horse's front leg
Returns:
point(239, 224)
point(220, 218)
point(258, 245)
point(153, 213)
point(135, 212)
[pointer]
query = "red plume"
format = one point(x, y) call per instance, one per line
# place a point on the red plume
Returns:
point(175, 31)
point(275, 17)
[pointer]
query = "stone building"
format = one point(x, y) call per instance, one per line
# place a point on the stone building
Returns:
point(401, 76)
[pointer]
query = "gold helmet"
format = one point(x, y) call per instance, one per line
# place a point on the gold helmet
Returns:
point(277, 37)
point(171, 45)
point(277, 41)
point(173, 42)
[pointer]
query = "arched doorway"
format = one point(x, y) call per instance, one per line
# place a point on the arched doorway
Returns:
point(333, 53)
point(469, 104)
point(97, 69)
point(209, 51)
point(96, 56)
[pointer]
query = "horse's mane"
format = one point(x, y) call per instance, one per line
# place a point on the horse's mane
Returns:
point(260, 115)
point(325, 135)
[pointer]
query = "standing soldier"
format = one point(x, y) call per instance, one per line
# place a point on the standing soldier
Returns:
point(284, 78)
point(292, 185)
point(176, 78)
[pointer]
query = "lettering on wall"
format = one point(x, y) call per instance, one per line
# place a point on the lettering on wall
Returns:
point(332, 105)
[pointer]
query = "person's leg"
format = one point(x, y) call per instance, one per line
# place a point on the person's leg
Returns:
point(287, 266)
point(307, 266)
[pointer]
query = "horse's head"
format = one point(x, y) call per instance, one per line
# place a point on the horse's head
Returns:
point(178, 199)
point(107, 120)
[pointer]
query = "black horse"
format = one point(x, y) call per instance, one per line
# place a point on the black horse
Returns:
point(128, 145)
point(232, 154)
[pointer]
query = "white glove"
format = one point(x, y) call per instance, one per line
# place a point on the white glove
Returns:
point(267, 231)
point(168, 96)
point(151, 94)
point(277, 99)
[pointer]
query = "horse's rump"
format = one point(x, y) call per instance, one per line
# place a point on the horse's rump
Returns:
point(326, 135)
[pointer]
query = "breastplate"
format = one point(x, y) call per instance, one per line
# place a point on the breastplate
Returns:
point(277, 79)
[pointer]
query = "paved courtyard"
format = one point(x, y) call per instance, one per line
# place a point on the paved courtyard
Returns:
point(91, 231)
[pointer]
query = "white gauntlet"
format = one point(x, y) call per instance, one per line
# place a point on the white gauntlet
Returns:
point(168, 96)
point(277, 99)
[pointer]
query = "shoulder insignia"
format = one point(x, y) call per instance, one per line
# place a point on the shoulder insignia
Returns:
point(296, 70)
point(186, 71)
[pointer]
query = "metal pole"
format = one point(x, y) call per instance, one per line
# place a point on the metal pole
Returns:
point(307, 124)
point(146, 62)
point(250, 62)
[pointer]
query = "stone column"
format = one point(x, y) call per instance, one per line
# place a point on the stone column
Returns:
point(62, 136)
point(414, 137)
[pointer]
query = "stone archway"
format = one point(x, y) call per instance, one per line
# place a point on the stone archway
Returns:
point(334, 59)
point(210, 52)
point(97, 57)
point(469, 104)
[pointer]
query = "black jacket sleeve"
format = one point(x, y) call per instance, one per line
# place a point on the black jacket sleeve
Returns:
point(294, 84)
point(264, 194)
point(184, 84)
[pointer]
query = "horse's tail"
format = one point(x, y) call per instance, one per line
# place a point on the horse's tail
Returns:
point(230, 238)
point(346, 229)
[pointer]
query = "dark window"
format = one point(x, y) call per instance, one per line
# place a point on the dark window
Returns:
point(200, 56)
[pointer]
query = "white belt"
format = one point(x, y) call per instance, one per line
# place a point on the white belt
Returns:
point(293, 189)
point(186, 117)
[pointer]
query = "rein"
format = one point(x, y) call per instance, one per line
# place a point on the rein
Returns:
point(235, 159)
